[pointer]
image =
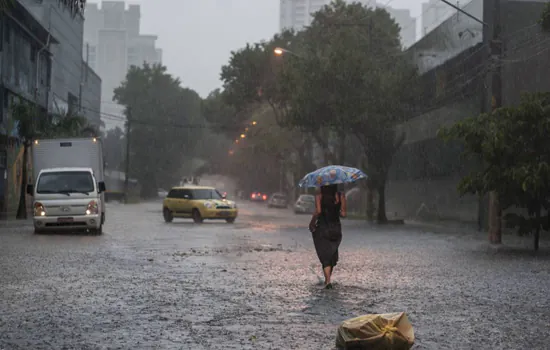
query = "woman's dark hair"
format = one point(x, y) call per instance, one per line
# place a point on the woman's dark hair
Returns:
point(329, 190)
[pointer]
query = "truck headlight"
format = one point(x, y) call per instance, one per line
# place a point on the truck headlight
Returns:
point(208, 205)
point(39, 209)
point(92, 208)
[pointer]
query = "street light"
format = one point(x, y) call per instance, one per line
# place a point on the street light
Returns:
point(279, 51)
point(231, 152)
point(254, 122)
point(243, 136)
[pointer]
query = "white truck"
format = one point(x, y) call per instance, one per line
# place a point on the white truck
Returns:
point(68, 187)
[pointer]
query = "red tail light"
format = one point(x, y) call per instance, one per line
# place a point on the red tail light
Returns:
point(264, 197)
point(253, 195)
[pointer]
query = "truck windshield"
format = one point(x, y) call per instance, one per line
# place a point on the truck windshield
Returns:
point(65, 182)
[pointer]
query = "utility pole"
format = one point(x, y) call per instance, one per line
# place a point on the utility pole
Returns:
point(492, 13)
point(127, 165)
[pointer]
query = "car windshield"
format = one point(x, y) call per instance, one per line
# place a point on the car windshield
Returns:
point(206, 194)
point(65, 182)
point(307, 199)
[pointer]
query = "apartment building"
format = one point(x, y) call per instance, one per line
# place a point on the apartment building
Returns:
point(297, 14)
point(74, 85)
point(113, 43)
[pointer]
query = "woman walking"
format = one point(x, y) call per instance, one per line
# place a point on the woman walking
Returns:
point(326, 229)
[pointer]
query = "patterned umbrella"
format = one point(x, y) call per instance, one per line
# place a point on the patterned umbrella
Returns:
point(332, 175)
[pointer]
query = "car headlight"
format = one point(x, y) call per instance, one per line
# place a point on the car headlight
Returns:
point(39, 209)
point(92, 208)
point(208, 205)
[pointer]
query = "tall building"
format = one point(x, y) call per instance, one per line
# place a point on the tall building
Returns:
point(435, 12)
point(406, 22)
point(113, 43)
point(297, 14)
point(74, 85)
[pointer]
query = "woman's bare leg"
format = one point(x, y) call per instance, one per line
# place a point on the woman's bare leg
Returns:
point(327, 271)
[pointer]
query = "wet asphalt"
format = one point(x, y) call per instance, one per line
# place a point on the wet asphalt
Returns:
point(255, 284)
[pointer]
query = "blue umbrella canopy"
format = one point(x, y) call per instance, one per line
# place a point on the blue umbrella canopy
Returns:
point(332, 175)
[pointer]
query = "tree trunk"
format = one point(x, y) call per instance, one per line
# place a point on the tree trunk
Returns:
point(22, 208)
point(382, 218)
point(370, 202)
point(342, 148)
point(536, 237)
point(495, 219)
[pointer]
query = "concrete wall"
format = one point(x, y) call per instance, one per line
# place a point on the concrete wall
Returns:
point(91, 96)
point(426, 171)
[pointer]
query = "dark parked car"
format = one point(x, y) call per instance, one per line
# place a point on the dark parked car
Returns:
point(278, 200)
point(258, 197)
point(305, 204)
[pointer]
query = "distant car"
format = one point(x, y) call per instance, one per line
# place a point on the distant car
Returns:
point(258, 197)
point(198, 203)
point(278, 200)
point(162, 193)
point(305, 204)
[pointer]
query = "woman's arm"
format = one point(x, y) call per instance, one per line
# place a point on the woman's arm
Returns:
point(344, 207)
point(313, 222)
point(317, 205)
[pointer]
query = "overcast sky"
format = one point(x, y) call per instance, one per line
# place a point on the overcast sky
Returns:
point(197, 36)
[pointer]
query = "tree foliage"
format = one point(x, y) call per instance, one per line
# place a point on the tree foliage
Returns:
point(74, 6)
point(165, 125)
point(514, 146)
point(352, 77)
point(544, 19)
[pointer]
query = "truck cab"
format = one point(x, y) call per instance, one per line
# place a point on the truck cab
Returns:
point(67, 199)
point(68, 185)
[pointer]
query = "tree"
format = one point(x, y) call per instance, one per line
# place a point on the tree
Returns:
point(165, 125)
point(513, 144)
point(544, 19)
point(74, 6)
point(352, 78)
point(32, 123)
point(114, 146)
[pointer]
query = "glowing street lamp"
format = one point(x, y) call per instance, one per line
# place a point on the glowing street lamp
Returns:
point(236, 141)
point(231, 152)
point(254, 122)
point(279, 51)
point(243, 136)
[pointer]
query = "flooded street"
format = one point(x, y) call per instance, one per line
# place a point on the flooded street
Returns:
point(255, 284)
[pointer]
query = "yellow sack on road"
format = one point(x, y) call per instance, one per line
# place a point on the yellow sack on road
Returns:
point(376, 332)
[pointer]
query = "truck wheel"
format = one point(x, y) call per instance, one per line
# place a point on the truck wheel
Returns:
point(167, 214)
point(230, 220)
point(98, 231)
point(197, 218)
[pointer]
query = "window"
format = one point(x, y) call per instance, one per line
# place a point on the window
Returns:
point(66, 182)
point(206, 194)
point(186, 193)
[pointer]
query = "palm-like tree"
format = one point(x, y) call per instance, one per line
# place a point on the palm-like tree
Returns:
point(75, 6)
point(31, 124)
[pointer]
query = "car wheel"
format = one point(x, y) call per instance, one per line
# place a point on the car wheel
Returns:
point(230, 220)
point(167, 214)
point(197, 218)
point(38, 231)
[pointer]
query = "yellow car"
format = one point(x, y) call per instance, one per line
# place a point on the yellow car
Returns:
point(198, 203)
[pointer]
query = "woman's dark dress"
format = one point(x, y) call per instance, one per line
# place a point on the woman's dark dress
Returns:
point(328, 235)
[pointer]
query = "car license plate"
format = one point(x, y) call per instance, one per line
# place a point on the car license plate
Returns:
point(224, 213)
point(65, 219)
